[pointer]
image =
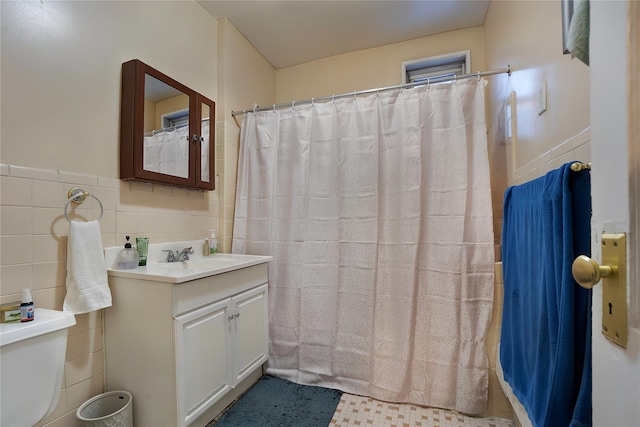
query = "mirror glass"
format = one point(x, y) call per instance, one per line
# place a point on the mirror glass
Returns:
point(204, 146)
point(166, 129)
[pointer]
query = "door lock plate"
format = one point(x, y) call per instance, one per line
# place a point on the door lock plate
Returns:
point(614, 289)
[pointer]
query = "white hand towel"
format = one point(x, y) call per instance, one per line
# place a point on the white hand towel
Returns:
point(87, 285)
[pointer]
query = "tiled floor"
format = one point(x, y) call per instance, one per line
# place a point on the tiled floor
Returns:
point(366, 412)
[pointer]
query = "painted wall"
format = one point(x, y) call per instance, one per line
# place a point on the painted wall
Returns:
point(245, 79)
point(55, 51)
point(528, 35)
point(60, 83)
point(372, 68)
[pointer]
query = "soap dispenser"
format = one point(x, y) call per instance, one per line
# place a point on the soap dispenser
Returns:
point(213, 243)
point(128, 257)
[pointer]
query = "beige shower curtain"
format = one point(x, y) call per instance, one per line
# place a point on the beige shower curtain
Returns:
point(377, 212)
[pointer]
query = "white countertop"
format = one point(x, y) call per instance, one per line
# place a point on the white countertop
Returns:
point(195, 268)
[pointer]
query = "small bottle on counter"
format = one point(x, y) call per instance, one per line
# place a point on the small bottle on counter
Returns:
point(213, 243)
point(205, 247)
point(26, 308)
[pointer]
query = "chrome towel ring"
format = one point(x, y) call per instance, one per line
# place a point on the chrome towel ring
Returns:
point(78, 195)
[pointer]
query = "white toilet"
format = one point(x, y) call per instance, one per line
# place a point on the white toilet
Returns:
point(32, 356)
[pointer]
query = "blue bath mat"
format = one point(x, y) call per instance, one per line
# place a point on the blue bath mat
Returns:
point(274, 402)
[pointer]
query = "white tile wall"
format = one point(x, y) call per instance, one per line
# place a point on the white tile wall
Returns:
point(33, 239)
point(503, 174)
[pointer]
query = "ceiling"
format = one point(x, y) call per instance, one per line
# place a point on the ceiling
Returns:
point(291, 32)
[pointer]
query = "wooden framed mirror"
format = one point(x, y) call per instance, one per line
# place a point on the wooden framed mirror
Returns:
point(165, 131)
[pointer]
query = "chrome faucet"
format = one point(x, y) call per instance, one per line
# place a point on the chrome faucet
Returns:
point(171, 257)
point(184, 254)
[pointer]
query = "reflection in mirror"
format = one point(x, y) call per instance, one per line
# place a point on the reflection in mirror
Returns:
point(166, 129)
point(204, 146)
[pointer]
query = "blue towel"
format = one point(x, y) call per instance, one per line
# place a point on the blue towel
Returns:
point(545, 343)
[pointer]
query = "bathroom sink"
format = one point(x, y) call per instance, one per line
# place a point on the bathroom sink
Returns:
point(178, 272)
point(203, 263)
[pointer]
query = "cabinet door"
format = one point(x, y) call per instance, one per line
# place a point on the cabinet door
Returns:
point(202, 359)
point(205, 154)
point(252, 331)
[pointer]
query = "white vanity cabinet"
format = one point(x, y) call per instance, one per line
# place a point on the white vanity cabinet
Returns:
point(232, 332)
point(186, 350)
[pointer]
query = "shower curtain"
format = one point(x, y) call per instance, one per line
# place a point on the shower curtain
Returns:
point(167, 151)
point(377, 212)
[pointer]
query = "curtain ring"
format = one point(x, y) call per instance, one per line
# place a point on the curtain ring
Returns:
point(254, 109)
point(274, 108)
point(244, 111)
point(293, 104)
point(312, 99)
point(428, 83)
point(478, 75)
point(455, 78)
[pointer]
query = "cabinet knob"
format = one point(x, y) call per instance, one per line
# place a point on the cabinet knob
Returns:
point(230, 318)
point(237, 315)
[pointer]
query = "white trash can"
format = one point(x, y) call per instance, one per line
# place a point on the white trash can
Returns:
point(111, 409)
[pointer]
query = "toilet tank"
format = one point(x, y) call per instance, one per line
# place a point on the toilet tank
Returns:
point(32, 356)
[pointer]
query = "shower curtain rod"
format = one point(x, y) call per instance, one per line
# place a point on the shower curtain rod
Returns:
point(171, 128)
point(369, 91)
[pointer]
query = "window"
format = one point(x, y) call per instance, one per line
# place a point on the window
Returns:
point(177, 119)
point(421, 70)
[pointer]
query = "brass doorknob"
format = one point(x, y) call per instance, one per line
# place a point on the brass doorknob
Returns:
point(588, 272)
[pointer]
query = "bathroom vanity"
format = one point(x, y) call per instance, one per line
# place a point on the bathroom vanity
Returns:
point(187, 338)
